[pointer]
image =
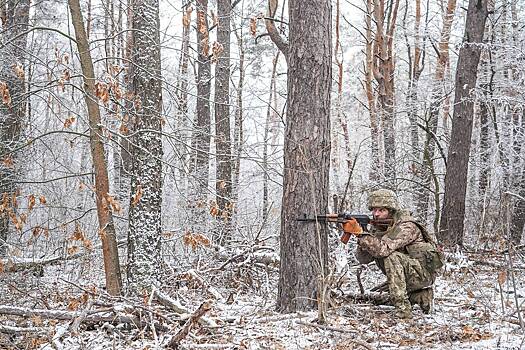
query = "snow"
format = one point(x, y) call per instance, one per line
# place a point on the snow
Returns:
point(470, 312)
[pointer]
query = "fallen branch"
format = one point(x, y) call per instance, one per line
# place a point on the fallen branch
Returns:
point(18, 330)
point(183, 332)
point(374, 298)
point(91, 316)
point(177, 307)
point(337, 329)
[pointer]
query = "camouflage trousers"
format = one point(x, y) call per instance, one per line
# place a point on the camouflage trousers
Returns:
point(406, 276)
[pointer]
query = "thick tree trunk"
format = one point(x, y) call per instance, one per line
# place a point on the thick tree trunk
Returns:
point(144, 233)
point(12, 101)
point(452, 222)
point(105, 216)
point(306, 155)
point(223, 184)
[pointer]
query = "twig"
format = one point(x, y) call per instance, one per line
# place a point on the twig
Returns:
point(17, 330)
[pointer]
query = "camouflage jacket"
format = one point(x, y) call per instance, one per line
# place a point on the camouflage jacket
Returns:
point(404, 236)
point(380, 244)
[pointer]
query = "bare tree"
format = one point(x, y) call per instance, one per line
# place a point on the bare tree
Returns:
point(144, 233)
point(451, 227)
point(103, 199)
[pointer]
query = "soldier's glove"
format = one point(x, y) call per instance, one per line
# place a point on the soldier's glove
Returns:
point(350, 227)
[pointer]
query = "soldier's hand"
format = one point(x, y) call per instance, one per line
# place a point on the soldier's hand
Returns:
point(353, 227)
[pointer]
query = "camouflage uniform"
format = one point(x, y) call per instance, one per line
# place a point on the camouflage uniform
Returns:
point(405, 254)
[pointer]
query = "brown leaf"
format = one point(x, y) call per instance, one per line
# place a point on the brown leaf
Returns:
point(115, 205)
point(19, 71)
point(36, 231)
point(201, 22)
point(470, 294)
point(136, 197)
point(69, 121)
point(205, 43)
point(253, 26)
point(42, 200)
point(31, 200)
point(65, 58)
point(186, 19)
point(502, 277)
point(72, 250)
point(8, 162)
point(216, 50)
point(4, 91)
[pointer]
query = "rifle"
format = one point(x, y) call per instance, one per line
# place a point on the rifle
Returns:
point(345, 220)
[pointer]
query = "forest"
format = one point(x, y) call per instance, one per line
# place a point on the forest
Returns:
point(160, 160)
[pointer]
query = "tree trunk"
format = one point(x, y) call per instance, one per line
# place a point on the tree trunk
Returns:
point(451, 228)
point(199, 162)
point(144, 233)
point(427, 159)
point(384, 67)
point(376, 167)
point(238, 142)
point(306, 155)
point(223, 184)
point(270, 116)
point(12, 101)
point(103, 199)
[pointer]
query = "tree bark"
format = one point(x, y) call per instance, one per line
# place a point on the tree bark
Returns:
point(12, 102)
point(223, 184)
point(104, 213)
point(199, 162)
point(144, 233)
point(452, 222)
point(306, 155)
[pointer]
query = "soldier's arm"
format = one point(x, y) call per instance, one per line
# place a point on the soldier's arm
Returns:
point(362, 255)
point(383, 247)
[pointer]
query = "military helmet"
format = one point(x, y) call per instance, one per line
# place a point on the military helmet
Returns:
point(383, 198)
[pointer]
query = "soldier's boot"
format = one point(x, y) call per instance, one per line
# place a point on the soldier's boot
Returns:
point(423, 298)
point(403, 310)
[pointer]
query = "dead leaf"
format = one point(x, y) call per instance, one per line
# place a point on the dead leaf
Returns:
point(136, 197)
point(69, 121)
point(31, 200)
point(8, 162)
point(502, 277)
point(186, 19)
point(201, 22)
point(216, 50)
point(115, 205)
point(6, 96)
point(42, 200)
point(19, 71)
point(253, 26)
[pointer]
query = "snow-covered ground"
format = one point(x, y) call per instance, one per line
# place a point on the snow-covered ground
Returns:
point(475, 308)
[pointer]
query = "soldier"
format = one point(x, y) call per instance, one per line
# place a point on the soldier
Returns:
point(404, 251)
